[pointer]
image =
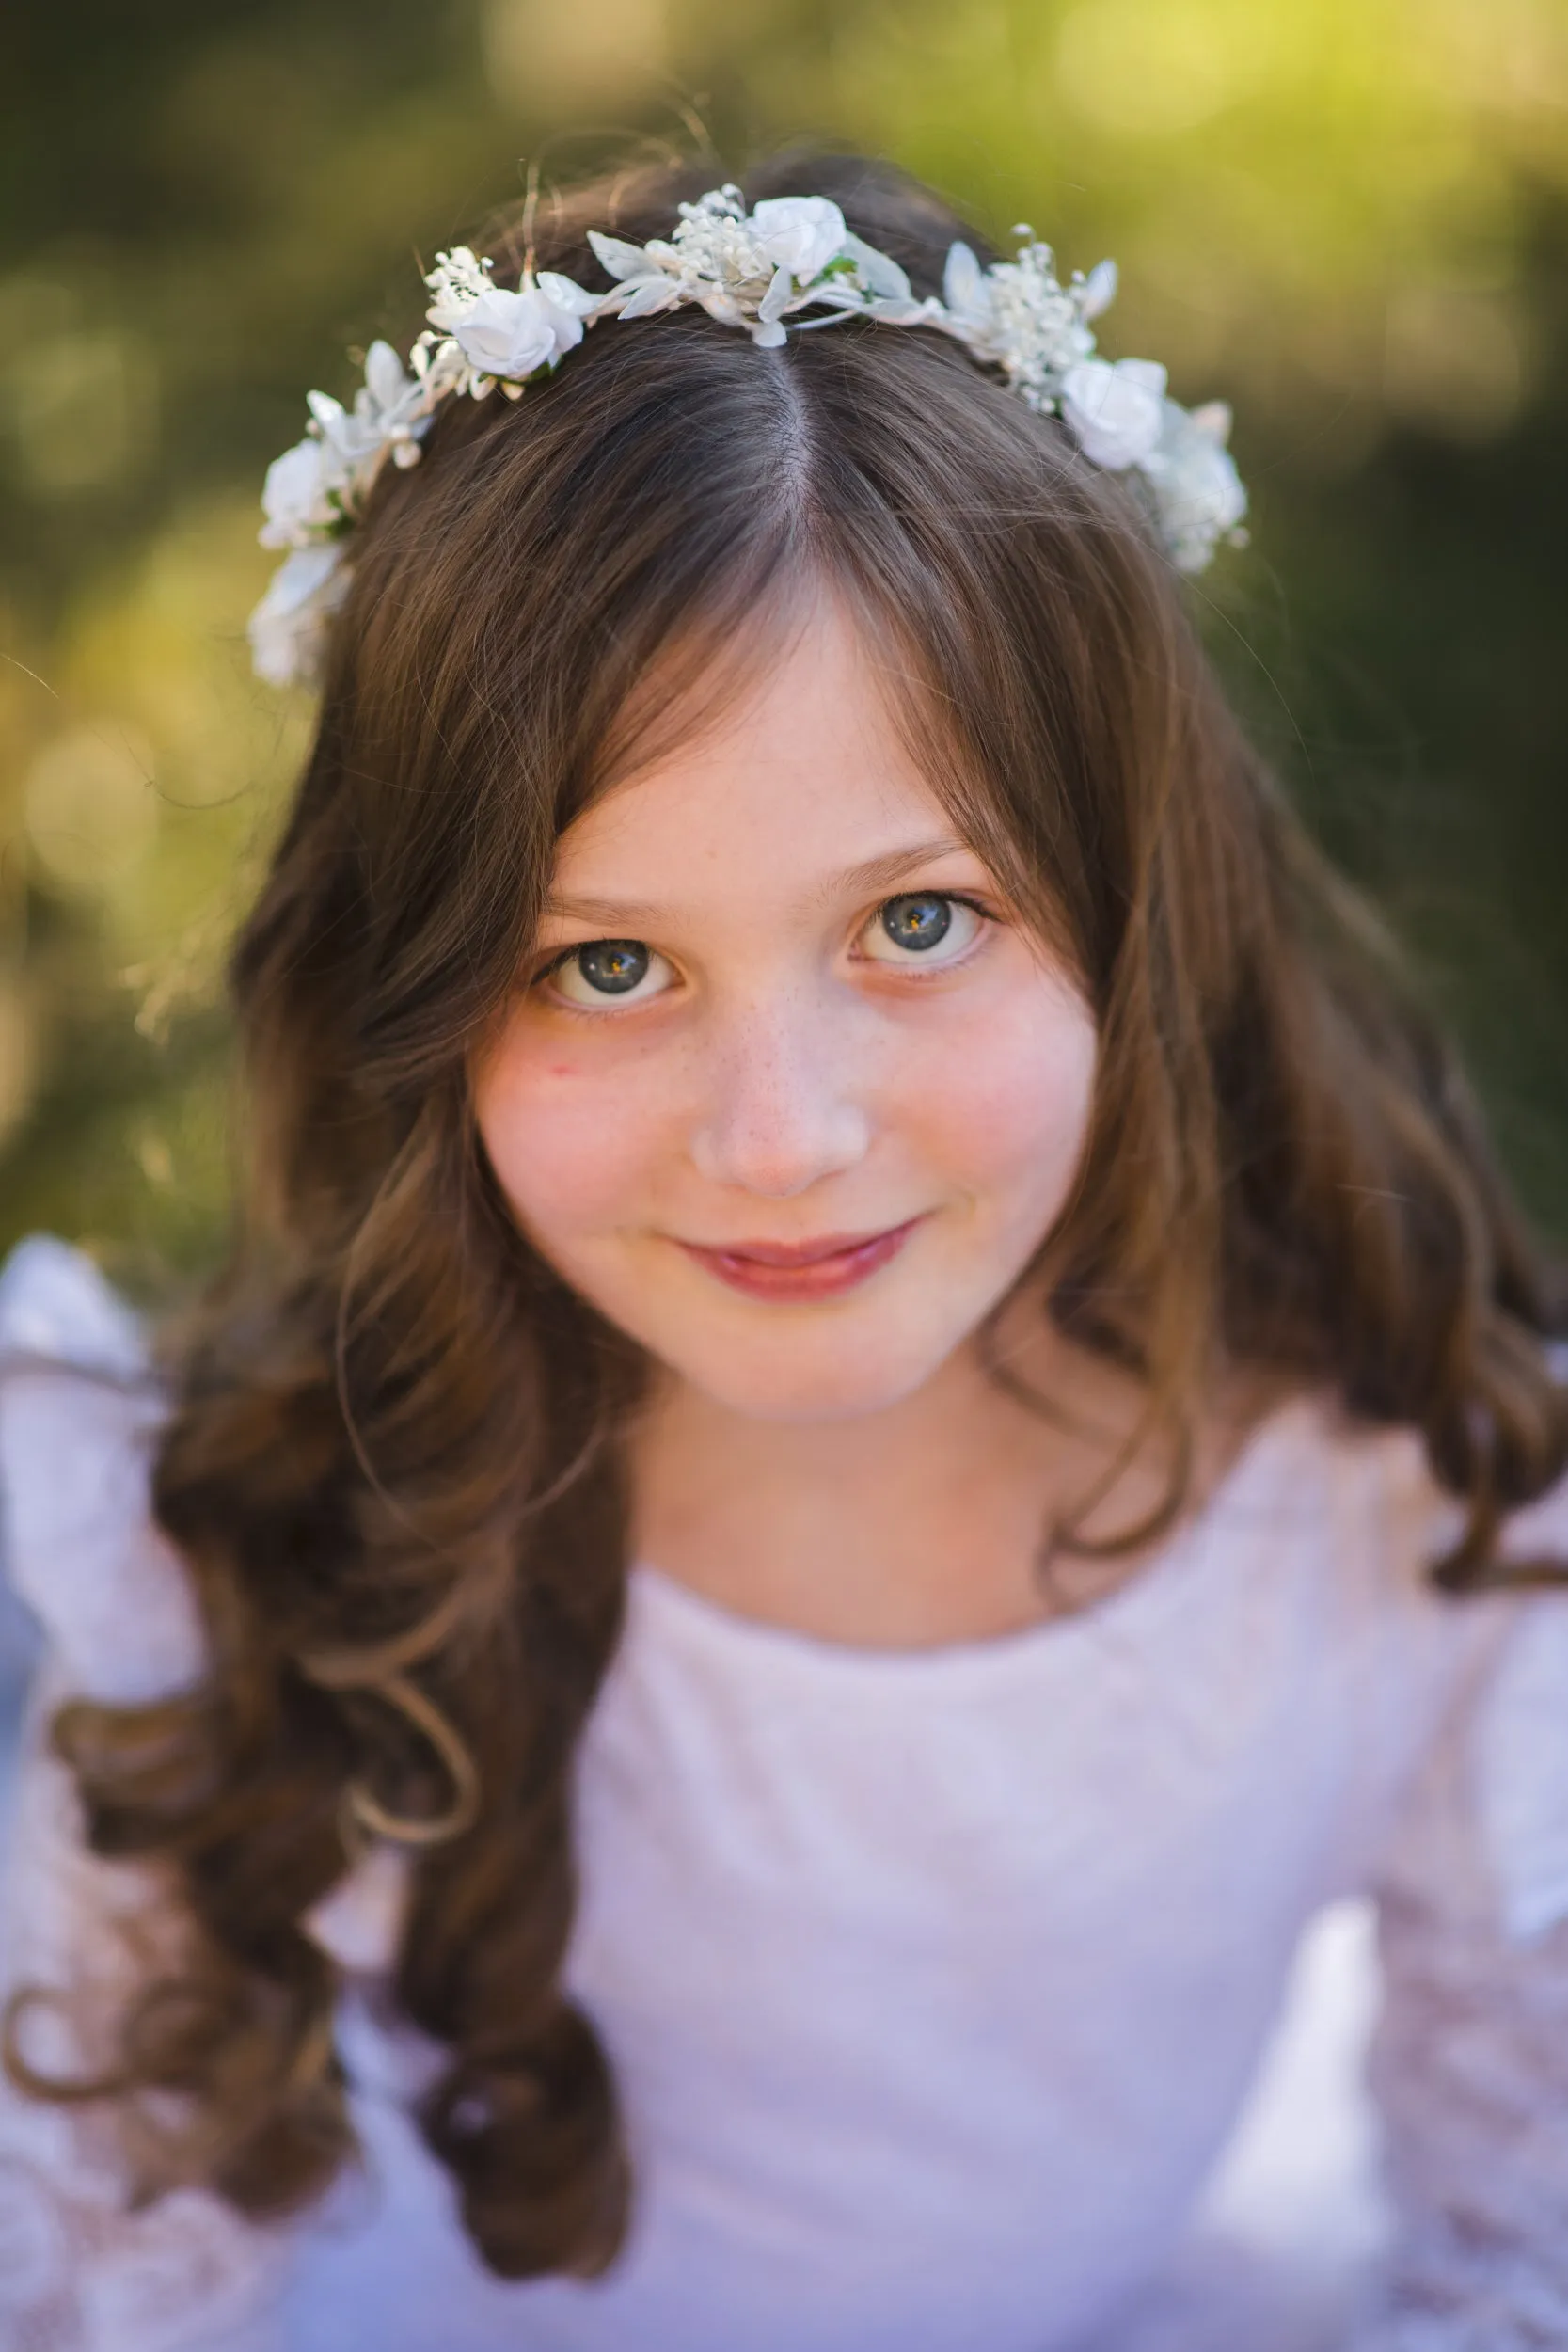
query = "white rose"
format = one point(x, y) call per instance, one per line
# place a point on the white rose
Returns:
point(1114, 412)
point(799, 233)
point(295, 495)
point(288, 629)
point(1198, 495)
point(514, 335)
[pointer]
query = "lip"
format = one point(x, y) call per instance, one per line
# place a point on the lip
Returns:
point(823, 1268)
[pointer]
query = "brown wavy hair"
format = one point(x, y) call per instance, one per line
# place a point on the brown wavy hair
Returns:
point(394, 1460)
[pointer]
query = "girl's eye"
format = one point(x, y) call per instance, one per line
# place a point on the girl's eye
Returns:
point(611, 971)
point(930, 924)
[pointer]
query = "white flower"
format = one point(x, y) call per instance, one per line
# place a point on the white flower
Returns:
point(754, 270)
point(790, 263)
point(1016, 317)
point(288, 629)
point(458, 281)
point(1114, 411)
point(799, 233)
point(296, 495)
point(1198, 495)
point(390, 417)
point(741, 268)
point(715, 256)
point(511, 335)
point(392, 406)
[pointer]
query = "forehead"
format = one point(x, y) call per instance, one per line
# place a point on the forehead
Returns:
point(791, 769)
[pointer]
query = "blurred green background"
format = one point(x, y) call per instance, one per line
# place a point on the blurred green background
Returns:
point(1349, 217)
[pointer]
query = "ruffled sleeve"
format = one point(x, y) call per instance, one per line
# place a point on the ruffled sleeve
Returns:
point(80, 1549)
point(1469, 2062)
point(78, 2273)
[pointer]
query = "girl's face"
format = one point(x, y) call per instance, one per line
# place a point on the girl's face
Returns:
point(789, 1095)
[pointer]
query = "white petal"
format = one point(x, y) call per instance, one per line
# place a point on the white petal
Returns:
point(565, 326)
point(383, 375)
point(653, 296)
point(1114, 413)
point(509, 334)
point(457, 281)
point(1147, 374)
point(800, 233)
point(768, 335)
point(880, 272)
point(567, 295)
point(962, 280)
point(773, 301)
point(619, 257)
point(908, 312)
point(1199, 497)
point(293, 496)
point(1100, 290)
point(302, 577)
point(1213, 419)
point(288, 629)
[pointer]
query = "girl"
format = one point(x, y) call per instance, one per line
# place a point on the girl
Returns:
point(874, 1420)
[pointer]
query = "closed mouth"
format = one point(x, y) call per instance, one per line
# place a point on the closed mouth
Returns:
point(818, 1268)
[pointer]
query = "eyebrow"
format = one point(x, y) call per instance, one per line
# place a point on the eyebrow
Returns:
point(876, 873)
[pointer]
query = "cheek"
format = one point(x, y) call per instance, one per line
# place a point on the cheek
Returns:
point(572, 1148)
point(1005, 1107)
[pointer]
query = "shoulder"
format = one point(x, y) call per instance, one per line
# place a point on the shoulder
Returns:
point(1469, 1694)
point(1342, 1520)
point(79, 1415)
point(1370, 1492)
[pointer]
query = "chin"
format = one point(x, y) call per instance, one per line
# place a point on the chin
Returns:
point(824, 1381)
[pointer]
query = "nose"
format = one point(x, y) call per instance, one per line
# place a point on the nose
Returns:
point(782, 1111)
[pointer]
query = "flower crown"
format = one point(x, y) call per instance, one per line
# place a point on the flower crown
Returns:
point(789, 263)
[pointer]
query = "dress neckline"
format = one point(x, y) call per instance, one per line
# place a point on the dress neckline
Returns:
point(659, 1603)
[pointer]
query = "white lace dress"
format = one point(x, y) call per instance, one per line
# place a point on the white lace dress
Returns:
point(944, 1990)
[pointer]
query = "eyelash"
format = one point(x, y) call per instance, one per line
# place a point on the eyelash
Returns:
point(956, 897)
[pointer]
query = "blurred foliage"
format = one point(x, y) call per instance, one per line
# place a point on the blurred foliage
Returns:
point(1349, 215)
